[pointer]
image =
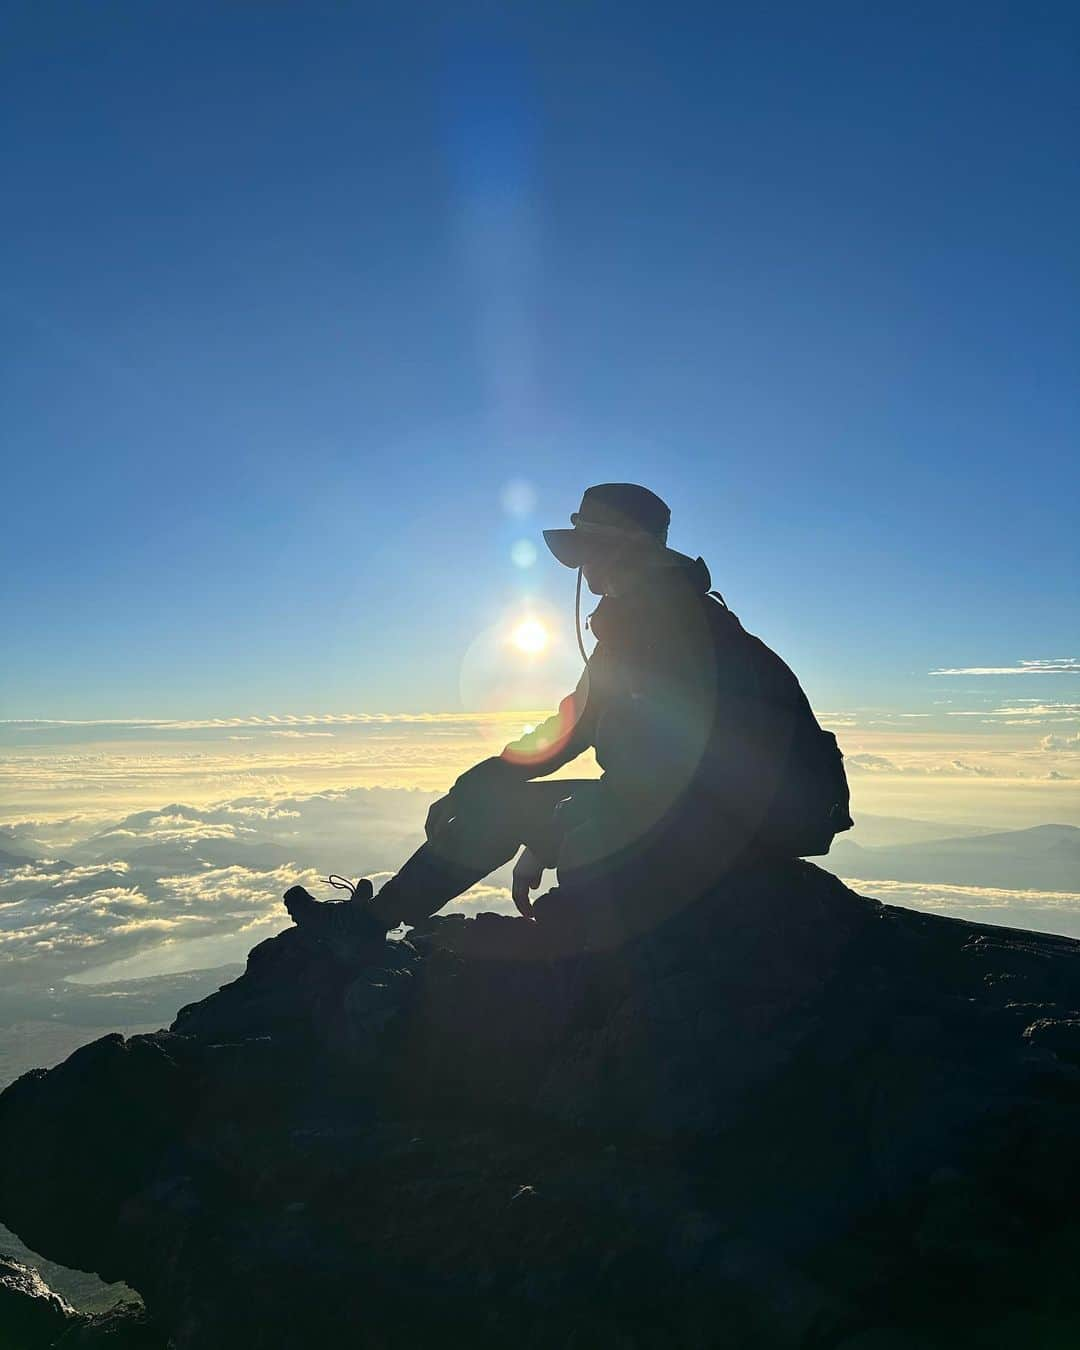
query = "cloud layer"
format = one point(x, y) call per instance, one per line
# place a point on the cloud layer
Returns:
point(175, 838)
point(1060, 665)
point(181, 874)
point(1043, 911)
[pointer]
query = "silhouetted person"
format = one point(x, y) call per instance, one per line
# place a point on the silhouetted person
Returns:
point(711, 756)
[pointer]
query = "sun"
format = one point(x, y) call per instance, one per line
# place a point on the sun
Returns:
point(530, 637)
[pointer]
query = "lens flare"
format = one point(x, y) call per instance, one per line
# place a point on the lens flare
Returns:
point(518, 497)
point(530, 637)
point(523, 554)
point(521, 663)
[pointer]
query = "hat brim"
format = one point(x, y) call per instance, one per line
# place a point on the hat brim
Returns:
point(575, 547)
point(570, 547)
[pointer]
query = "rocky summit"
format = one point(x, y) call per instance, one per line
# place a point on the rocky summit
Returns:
point(787, 1117)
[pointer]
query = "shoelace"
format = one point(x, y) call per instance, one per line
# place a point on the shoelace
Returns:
point(341, 884)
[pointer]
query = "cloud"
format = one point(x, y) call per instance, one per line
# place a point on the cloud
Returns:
point(1041, 911)
point(210, 875)
point(1062, 665)
point(868, 763)
point(49, 831)
point(268, 723)
point(1032, 708)
point(980, 770)
point(253, 810)
point(46, 875)
point(173, 828)
point(236, 899)
point(58, 768)
point(47, 934)
point(226, 826)
point(836, 719)
point(1052, 742)
point(941, 893)
point(209, 878)
point(484, 897)
point(871, 764)
point(48, 937)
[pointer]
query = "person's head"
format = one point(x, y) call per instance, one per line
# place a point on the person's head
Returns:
point(608, 566)
point(618, 529)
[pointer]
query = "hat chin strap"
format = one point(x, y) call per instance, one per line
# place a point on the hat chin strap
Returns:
point(664, 557)
point(577, 617)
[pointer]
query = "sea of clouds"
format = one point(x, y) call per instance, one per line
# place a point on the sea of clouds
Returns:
point(184, 886)
point(151, 847)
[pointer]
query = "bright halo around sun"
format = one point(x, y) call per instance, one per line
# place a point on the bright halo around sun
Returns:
point(530, 636)
point(521, 663)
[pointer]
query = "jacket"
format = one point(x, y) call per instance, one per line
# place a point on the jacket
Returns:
point(681, 705)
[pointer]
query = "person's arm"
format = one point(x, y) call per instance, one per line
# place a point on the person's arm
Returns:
point(555, 742)
point(558, 739)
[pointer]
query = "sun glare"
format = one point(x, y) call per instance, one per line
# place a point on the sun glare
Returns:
point(530, 636)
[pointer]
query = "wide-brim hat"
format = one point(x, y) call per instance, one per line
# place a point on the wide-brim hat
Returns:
point(610, 514)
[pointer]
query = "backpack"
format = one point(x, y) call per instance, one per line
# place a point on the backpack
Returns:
point(811, 804)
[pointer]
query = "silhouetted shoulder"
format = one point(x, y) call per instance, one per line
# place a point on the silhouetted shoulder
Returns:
point(743, 656)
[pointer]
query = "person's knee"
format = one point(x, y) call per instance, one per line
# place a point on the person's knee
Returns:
point(498, 808)
point(477, 839)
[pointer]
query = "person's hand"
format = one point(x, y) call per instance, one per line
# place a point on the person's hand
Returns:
point(438, 814)
point(528, 871)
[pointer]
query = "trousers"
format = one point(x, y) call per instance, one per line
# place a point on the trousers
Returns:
point(633, 873)
point(484, 834)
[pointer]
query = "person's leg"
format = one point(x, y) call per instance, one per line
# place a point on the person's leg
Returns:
point(486, 833)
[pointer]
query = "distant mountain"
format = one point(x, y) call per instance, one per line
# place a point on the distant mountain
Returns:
point(880, 831)
point(1044, 858)
point(186, 857)
point(13, 859)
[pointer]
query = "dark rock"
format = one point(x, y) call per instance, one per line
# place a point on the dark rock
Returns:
point(31, 1315)
point(787, 1117)
point(34, 1317)
point(123, 1327)
point(1060, 1035)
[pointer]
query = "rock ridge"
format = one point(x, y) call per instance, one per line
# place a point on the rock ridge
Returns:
point(790, 1116)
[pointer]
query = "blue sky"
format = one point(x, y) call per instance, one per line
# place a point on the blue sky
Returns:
point(289, 294)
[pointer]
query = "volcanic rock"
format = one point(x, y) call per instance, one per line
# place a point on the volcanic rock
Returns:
point(786, 1117)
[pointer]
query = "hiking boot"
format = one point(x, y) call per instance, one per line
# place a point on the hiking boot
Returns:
point(347, 926)
point(301, 904)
